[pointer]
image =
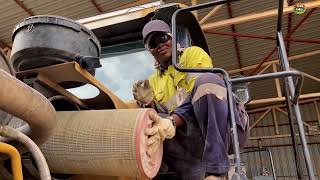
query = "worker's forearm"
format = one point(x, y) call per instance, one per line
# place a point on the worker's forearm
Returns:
point(179, 121)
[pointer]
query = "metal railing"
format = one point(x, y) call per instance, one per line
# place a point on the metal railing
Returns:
point(293, 89)
point(270, 158)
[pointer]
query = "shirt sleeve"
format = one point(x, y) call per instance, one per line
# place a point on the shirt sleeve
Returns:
point(185, 111)
point(194, 57)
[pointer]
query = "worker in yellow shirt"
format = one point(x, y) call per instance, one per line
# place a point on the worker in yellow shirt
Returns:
point(196, 127)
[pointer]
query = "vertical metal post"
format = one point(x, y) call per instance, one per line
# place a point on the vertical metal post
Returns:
point(272, 164)
point(291, 126)
point(289, 85)
point(284, 62)
point(233, 125)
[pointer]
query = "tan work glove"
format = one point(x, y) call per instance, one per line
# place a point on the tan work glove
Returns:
point(142, 93)
point(162, 128)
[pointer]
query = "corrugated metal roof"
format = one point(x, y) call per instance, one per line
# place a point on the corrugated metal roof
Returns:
point(252, 51)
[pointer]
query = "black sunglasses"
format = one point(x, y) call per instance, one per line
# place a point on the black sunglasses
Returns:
point(157, 39)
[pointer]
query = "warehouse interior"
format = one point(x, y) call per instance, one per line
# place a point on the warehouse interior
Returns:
point(241, 39)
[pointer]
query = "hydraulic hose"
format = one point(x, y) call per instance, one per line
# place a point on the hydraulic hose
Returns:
point(37, 155)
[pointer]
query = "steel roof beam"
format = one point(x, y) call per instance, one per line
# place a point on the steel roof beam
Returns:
point(235, 40)
point(290, 58)
point(262, 37)
point(288, 35)
point(19, 3)
point(256, 16)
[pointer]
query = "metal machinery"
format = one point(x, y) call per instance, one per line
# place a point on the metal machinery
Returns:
point(292, 90)
point(112, 31)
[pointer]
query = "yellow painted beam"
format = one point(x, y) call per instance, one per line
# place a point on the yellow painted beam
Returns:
point(15, 160)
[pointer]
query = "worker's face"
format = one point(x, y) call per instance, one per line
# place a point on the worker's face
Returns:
point(160, 47)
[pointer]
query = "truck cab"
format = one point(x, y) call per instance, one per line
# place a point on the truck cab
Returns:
point(120, 35)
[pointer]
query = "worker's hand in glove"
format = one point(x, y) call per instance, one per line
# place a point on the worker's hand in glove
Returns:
point(142, 93)
point(162, 128)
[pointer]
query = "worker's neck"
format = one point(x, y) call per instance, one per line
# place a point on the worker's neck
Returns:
point(165, 65)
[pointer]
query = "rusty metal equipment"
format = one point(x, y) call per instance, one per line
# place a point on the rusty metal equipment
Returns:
point(104, 142)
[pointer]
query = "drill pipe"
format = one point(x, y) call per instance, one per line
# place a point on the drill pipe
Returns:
point(32, 147)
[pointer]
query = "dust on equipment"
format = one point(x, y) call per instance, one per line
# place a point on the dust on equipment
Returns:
point(51, 54)
point(102, 142)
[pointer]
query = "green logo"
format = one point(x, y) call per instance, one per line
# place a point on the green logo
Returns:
point(299, 8)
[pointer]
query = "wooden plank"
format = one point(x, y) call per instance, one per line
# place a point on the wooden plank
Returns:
point(212, 12)
point(277, 82)
point(275, 121)
point(256, 16)
point(260, 118)
point(61, 90)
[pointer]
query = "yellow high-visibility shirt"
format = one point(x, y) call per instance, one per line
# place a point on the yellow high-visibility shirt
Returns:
point(171, 87)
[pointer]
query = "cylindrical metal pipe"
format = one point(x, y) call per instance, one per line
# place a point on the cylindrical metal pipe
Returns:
point(37, 155)
point(15, 160)
point(102, 142)
point(285, 65)
point(29, 105)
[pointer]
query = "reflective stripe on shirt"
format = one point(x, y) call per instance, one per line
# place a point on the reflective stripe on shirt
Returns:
point(209, 88)
point(176, 100)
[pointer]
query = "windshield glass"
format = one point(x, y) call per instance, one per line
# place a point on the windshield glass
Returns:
point(122, 65)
